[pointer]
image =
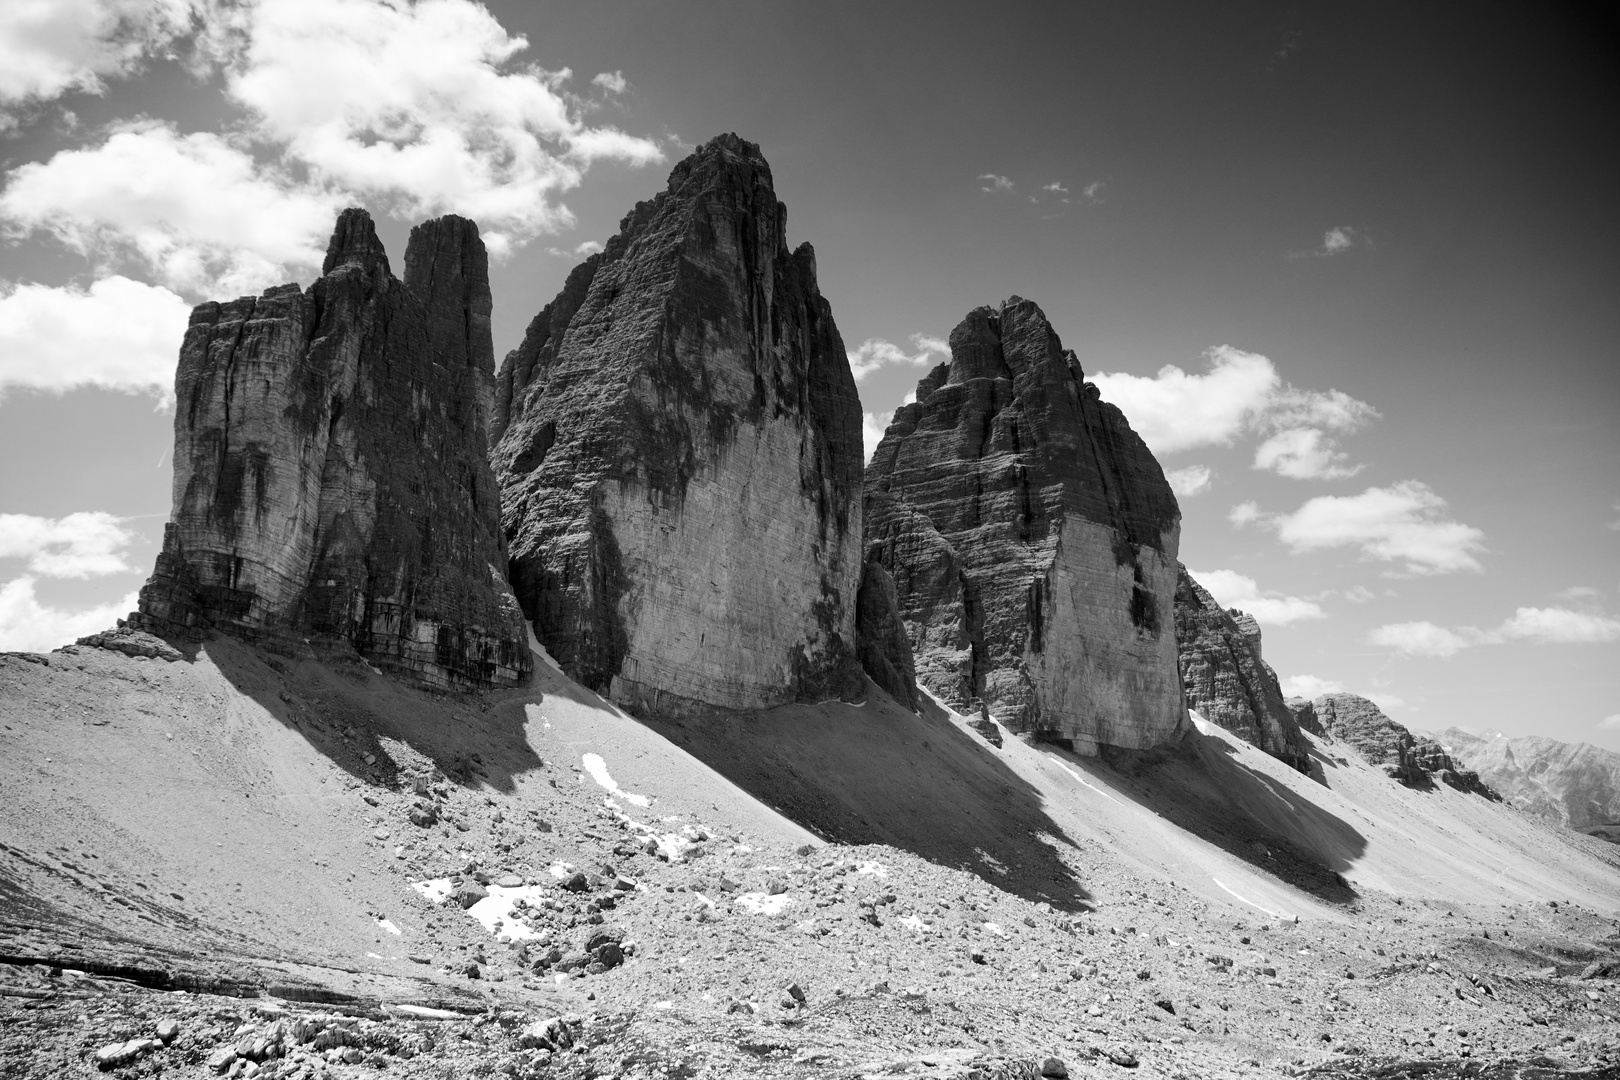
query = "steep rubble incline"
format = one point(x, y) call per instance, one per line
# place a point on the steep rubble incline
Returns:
point(331, 475)
point(1032, 541)
point(679, 452)
point(1226, 679)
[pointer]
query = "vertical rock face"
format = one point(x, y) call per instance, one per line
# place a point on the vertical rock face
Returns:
point(1032, 541)
point(1226, 680)
point(679, 453)
point(331, 476)
point(885, 650)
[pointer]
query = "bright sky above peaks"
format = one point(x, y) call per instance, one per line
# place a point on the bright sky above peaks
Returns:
point(1349, 269)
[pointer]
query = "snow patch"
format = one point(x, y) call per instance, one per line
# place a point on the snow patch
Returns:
point(598, 770)
point(763, 903)
point(385, 924)
point(915, 923)
point(497, 912)
point(873, 869)
point(435, 890)
point(1083, 781)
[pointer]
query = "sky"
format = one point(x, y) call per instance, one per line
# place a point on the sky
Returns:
point(1350, 269)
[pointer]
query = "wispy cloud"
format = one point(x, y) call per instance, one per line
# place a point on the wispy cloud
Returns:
point(117, 335)
point(1544, 626)
point(82, 545)
point(578, 251)
point(612, 81)
point(1235, 590)
point(1092, 192)
point(1055, 187)
point(1402, 523)
point(875, 354)
point(995, 183)
point(1609, 723)
point(1240, 395)
point(1190, 481)
point(1292, 42)
point(1615, 524)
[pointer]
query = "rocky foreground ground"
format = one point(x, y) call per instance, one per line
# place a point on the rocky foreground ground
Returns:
point(570, 927)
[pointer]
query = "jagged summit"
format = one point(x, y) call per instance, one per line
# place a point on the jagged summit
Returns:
point(679, 452)
point(1032, 540)
point(331, 472)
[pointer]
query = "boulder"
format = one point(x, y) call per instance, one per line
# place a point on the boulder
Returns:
point(679, 454)
point(331, 480)
point(1032, 541)
point(1226, 680)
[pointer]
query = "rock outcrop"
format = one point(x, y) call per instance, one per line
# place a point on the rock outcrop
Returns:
point(1416, 761)
point(1574, 784)
point(885, 650)
point(1032, 540)
point(1225, 678)
point(331, 475)
point(679, 453)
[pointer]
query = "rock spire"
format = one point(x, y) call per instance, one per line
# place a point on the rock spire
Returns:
point(679, 453)
point(331, 475)
point(1032, 541)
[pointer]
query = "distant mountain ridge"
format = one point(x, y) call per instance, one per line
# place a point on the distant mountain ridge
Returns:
point(1574, 784)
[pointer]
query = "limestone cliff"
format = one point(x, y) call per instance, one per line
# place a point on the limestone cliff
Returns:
point(1032, 540)
point(1416, 761)
point(1225, 678)
point(679, 453)
point(331, 476)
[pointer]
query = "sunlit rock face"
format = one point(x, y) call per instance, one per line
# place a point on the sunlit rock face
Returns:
point(679, 453)
point(331, 475)
point(1032, 541)
point(1226, 680)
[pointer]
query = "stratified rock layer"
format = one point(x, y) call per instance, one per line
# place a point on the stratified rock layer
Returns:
point(1225, 678)
point(679, 452)
point(331, 476)
point(1032, 540)
point(1416, 761)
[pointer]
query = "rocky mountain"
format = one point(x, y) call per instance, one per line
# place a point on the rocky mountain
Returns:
point(1414, 760)
point(1225, 678)
point(1574, 784)
point(679, 453)
point(331, 476)
point(1032, 541)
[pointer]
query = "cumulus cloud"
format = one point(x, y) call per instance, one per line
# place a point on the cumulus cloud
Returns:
point(612, 81)
point(82, 545)
point(419, 108)
point(1545, 626)
point(196, 211)
point(1234, 590)
point(421, 105)
point(1309, 686)
point(1340, 238)
point(1402, 523)
point(875, 354)
point(1243, 513)
point(994, 183)
point(49, 47)
point(117, 335)
point(1190, 481)
point(1240, 395)
point(26, 625)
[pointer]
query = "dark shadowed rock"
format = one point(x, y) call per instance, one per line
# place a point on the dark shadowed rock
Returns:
point(331, 479)
point(885, 650)
point(1032, 540)
point(1225, 678)
point(1304, 714)
point(679, 452)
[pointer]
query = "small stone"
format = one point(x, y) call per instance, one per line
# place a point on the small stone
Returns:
point(1121, 1057)
point(624, 884)
point(977, 957)
point(776, 887)
point(510, 881)
point(1166, 1005)
point(221, 1058)
point(576, 883)
point(796, 992)
point(167, 1030)
point(1054, 1069)
point(469, 893)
